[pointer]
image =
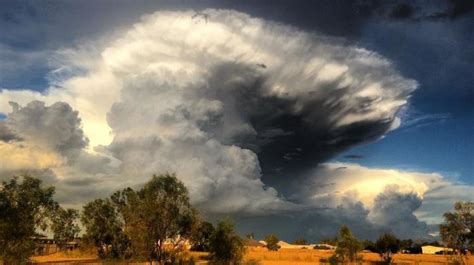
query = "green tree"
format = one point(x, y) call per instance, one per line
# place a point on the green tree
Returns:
point(25, 208)
point(347, 247)
point(226, 247)
point(64, 225)
point(250, 235)
point(201, 236)
point(104, 228)
point(300, 241)
point(272, 242)
point(457, 231)
point(387, 245)
point(157, 218)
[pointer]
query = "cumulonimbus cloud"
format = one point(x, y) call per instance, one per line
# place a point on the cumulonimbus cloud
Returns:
point(236, 106)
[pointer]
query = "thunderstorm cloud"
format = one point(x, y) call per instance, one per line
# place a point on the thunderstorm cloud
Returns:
point(245, 111)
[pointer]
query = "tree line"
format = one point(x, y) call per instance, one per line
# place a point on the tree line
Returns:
point(156, 222)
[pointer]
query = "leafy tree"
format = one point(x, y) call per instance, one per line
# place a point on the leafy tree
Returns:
point(250, 235)
point(369, 245)
point(104, 228)
point(226, 247)
point(201, 237)
point(25, 207)
point(329, 240)
point(406, 244)
point(300, 241)
point(458, 229)
point(387, 245)
point(157, 218)
point(347, 247)
point(272, 242)
point(64, 226)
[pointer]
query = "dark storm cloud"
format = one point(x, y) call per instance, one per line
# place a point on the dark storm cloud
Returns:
point(242, 109)
point(394, 209)
point(56, 126)
point(353, 156)
point(6, 134)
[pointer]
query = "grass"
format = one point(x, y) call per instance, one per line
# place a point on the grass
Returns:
point(264, 257)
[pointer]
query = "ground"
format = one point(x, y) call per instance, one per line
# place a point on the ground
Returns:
point(263, 257)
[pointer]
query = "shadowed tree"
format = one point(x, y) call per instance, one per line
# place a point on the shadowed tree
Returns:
point(64, 225)
point(158, 218)
point(300, 241)
point(272, 242)
point(25, 208)
point(387, 245)
point(226, 247)
point(201, 236)
point(347, 247)
point(457, 231)
point(104, 228)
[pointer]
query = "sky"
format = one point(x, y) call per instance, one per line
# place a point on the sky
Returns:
point(309, 113)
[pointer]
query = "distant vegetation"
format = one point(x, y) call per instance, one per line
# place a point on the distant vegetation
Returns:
point(155, 223)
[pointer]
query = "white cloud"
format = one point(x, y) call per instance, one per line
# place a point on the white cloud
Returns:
point(181, 92)
point(425, 195)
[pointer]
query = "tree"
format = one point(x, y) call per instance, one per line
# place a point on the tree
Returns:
point(347, 247)
point(25, 207)
point(387, 245)
point(201, 237)
point(300, 241)
point(226, 247)
point(104, 228)
point(157, 218)
point(457, 231)
point(64, 226)
point(272, 242)
point(250, 235)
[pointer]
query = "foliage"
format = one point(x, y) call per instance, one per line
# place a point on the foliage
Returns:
point(226, 246)
point(201, 236)
point(64, 226)
point(300, 241)
point(104, 228)
point(387, 245)
point(329, 240)
point(157, 218)
point(272, 242)
point(25, 207)
point(458, 229)
point(250, 235)
point(368, 245)
point(347, 247)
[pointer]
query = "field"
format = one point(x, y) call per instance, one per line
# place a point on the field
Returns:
point(262, 257)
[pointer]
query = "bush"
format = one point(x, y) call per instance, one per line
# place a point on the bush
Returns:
point(272, 242)
point(225, 246)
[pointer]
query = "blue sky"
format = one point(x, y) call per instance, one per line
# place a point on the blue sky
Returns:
point(439, 56)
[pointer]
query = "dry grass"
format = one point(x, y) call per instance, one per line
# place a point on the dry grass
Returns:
point(75, 255)
point(311, 256)
point(265, 257)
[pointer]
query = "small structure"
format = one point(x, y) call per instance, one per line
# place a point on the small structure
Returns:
point(285, 245)
point(435, 250)
point(45, 246)
point(253, 243)
point(324, 246)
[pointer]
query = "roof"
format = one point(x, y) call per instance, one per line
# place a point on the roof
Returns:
point(252, 243)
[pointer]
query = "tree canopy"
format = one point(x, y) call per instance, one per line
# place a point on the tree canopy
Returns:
point(272, 242)
point(226, 246)
point(25, 208)
point(457, 231)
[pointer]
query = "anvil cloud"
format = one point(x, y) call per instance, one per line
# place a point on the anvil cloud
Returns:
point(240, 108)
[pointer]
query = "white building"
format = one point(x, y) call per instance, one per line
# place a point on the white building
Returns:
point(435, 250)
